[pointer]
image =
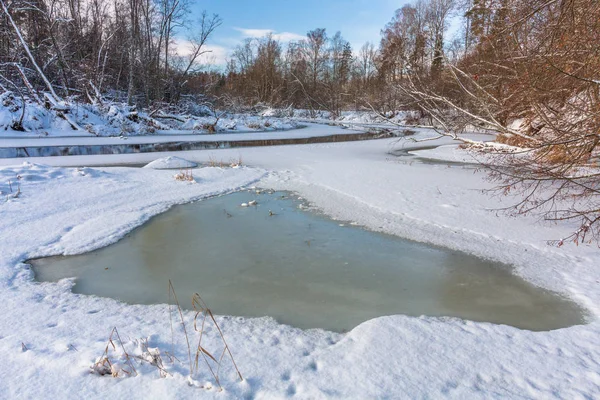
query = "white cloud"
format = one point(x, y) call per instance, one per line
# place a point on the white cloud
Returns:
point(259, 33)
point(183, 47)
point(217, 55)
point(254, 33)
point(287, 36)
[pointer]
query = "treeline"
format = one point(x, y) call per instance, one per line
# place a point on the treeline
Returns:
point(507, 58)
point(504, 60)
point(318, 73)
point(325, 72)
point(86, 48)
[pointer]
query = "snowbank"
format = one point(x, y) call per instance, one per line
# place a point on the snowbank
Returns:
point(91, 119)
point(235, 123)
point(351, 117)
point(26, 118)
point(171, 162)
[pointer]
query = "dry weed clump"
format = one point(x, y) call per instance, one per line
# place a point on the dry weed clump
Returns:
point(253, 125)
point(13, 194)
point(232, 162)
point(212, 162)
point(117, 362)
point(153, 357)
point(210, 128)
point(185, 175)
point(110, 362)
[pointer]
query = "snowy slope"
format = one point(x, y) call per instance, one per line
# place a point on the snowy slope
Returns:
point(118, 119)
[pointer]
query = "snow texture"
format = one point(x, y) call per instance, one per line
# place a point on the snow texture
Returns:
point(49, 337)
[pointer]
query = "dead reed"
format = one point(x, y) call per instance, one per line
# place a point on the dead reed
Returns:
point(232, 162)
point(203, 316)
point(104, 365)
point(185, 175)
point(116, 361)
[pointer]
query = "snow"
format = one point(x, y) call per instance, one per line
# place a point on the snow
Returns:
point(450, 153)
point(243, 123)
point(49, 337)
point(117, 119)
point(170, 162)
point(353, 117)
point(311, 130)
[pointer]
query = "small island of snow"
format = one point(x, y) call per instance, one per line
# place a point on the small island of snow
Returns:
point(171, 163)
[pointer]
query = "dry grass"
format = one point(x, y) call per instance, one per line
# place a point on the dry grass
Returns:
point(13, 194)
point(253, 125)
point(108, 364)
point(232, 162)
point(558, 154)
point(173, 296)
point(203, 317)
point(212, 162)
point(110, 361)
point(153, 357)
point(204, 314)
point(210, 128)
point(115, 361)
point(185, 175)
point(513, 140)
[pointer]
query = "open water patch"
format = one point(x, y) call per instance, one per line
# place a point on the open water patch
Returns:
point(274, 257)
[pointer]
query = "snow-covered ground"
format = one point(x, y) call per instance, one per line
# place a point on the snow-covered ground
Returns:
point(29, 119)
point(49, 337)
point(352, 117)
point(451, 153)
point(310, 130)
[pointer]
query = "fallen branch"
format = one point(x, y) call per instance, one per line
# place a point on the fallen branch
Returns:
point(160, 115)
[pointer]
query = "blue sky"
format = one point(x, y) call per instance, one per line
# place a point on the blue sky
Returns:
point(358, 20)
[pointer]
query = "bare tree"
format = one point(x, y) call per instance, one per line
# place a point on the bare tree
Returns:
point(316, 54)
point(207, 25)
point(55, 97)
point(438, 12)
point(536, 68)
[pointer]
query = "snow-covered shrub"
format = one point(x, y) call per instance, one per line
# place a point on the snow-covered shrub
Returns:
point(196, 109)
